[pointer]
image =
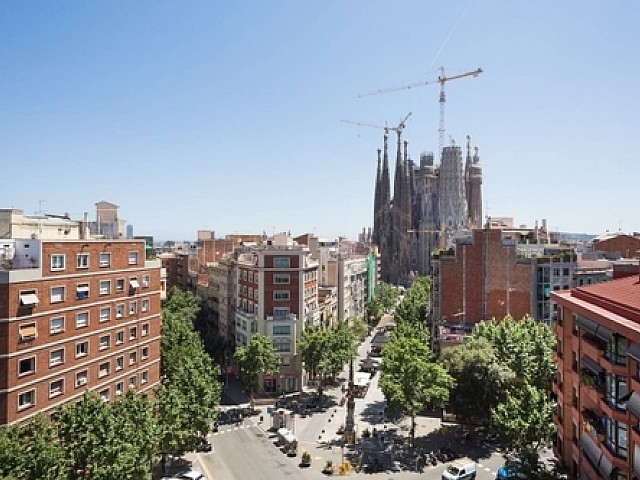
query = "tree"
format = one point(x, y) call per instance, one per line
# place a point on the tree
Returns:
point(386, 295)
point(481, 380)
point(12, 458)
point(190, 392)
point(409, 379)
point(312, 347)
point(257, 358)
point(415, 306)
point(42, 455)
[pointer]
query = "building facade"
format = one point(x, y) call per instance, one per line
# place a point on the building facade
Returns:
point(82, 314)
point(597, 387)
point(430, 203)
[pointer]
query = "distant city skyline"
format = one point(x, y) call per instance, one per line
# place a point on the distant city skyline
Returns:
point(228, 117)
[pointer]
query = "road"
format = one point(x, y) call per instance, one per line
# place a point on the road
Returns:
point(248, 451)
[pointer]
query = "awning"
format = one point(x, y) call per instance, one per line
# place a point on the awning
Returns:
point(134, 283)
point(634, 352)
point(605, 467)
point(590, 448)
point(591, 365)
point(633, 405)
point(604, 333)
point(586, 324)
point(82, 288)
point(29, 299)
point(28, 332)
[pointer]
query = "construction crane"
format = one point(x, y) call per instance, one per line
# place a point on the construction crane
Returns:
point(401, 126)
point(442, 79)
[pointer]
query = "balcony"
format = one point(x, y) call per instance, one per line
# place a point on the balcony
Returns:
point(289, 317)
point(246, 315)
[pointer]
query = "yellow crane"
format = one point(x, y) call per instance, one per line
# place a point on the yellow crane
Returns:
point(442, 79)
point(401, 126)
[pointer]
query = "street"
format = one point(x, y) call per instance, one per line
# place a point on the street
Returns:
point(249, 450)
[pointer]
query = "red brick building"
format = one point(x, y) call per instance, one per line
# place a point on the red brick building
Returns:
point(597, 387)
point(617, 245)
point(82, 314)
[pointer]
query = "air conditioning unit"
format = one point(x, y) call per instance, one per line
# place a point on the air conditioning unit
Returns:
point(82, 381)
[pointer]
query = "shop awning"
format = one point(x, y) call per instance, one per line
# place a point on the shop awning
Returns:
point(590, 448)
point(591, 365)
point(586, 324)
point(633, 405)
point(29, 299)
point(634, 352)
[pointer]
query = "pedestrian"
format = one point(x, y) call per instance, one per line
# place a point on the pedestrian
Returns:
point(239, 419)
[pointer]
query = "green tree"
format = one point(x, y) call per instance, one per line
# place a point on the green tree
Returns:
point(481, 380)
point(415, 306)
point(190, 393)
point(386, 295)
point(257, 358)
point(358, 326)
point(410, 380)
point(12, 457)
point(312, 347)
point(42, 455)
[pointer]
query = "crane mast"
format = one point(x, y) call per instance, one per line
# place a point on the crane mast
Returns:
point(442, 79)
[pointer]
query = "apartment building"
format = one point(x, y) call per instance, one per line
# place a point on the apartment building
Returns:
point(75, 314)
point(276, 295)
point(176, 265)
point(597, 387)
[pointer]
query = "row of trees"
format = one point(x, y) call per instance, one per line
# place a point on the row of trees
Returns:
point(93, 439)
point(501, 375)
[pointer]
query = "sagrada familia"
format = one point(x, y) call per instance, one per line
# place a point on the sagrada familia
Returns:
point(430, 204)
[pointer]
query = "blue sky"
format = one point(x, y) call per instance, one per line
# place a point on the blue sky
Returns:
point(227, 115)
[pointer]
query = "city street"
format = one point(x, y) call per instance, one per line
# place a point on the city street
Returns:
point(249, 450)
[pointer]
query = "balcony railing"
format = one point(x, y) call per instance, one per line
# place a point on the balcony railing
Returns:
point(290, 317)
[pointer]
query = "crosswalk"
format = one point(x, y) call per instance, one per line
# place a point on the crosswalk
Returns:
point(233, 429)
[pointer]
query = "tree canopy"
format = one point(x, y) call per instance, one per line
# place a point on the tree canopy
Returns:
point(415, 306)
point(257, 358)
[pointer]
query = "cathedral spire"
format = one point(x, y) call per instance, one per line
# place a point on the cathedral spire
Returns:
point(385, 194)
point(377, 208)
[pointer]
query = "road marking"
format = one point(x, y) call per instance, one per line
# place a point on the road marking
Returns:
point(204, 467)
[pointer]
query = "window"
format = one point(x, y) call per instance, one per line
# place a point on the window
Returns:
point(105, 314)
point(280, 312)
point(133, 283)
point(281, 345)
point(103, 370)
point(26, 399)
point(56, 325)
point(145, 305)
point(133, 308)
point(616, 437)
point(57, 262)
point(281, 294)
point(120, 285)
point(119, 363)
point(617, 350)
point(120, 310)
point(281, 262)
point(133, 333)
point(105, 259)
point(119, 337)
point(82, 260)
point(145, 353)
point(244, 275)
point(56, 388)
point(132, 382)
point(82, 291)
point(281, 278)
point(145, 281)
point(133, 258)
point(28, 298)
point(119, 388)
point(81, 378)
point(105, 342)
point(282, 330)
point(616, 388)
point(145, 329)
point(133, 358)
point(82, 349)
point(82, 319)
point(56, 357)
point(105, 287)
point(57, 294)
point(26, 366)
point(104, 395)
point(144, 377)
point(28, 331)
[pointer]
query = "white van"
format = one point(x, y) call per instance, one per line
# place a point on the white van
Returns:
point(460, 470)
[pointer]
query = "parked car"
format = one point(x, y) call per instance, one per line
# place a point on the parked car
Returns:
point(460, 470)
point(190, 474)
point(511, 470)
point(203, 445)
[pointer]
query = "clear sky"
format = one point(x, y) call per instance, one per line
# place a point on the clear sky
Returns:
point(227, 115)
